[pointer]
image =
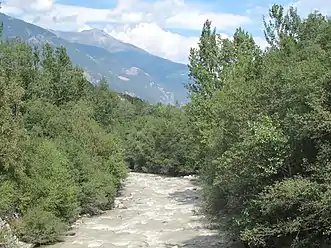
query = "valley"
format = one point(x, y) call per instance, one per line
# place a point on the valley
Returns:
point(256, 132)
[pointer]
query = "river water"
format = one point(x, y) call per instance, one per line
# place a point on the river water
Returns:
point(152, 211)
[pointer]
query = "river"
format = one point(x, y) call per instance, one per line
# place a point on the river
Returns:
point(152, 211)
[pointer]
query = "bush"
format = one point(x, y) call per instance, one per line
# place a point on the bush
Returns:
point(39, 227)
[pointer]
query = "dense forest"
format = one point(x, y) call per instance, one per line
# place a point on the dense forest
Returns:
point(256, 131)
point(262, 120)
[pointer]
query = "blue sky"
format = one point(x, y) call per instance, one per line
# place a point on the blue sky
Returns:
point(167, 28)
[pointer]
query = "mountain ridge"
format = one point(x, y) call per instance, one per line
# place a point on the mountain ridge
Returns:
point(96, 34)
point(100, 55)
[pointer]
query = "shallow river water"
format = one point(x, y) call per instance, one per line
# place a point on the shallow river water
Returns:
point(152, 211)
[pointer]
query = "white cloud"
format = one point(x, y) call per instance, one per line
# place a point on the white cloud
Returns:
point(195, 20)
point(156, 40)
point(261, 41)
point(142, 23)
point(21, 6)
point(307, 6)
point(165, 13)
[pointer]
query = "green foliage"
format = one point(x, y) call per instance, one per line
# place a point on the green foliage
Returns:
point(58, 156)
point(161, 143)
point(48, 183)
point(8, 195)
point(66, 143)
point(263, 130)
point(257, 130)
point(39, 227)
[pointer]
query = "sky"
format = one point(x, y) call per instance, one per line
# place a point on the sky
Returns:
point(167, 28)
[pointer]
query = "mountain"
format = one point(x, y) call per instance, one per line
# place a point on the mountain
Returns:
point(126, 67)
point(97, 37)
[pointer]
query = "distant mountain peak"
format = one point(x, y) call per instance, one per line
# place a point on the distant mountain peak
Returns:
point(97, 37)
point(96, 31)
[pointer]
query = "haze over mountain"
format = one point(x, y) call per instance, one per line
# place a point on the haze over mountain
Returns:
point(126, 67)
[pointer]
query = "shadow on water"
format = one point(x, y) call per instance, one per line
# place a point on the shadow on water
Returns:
point(192, 196)
point(195, 181)
point(206, 241)
point(188, 196)
point(202, 241)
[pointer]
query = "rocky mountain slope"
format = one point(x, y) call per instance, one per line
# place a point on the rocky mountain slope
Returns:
point(127, 68)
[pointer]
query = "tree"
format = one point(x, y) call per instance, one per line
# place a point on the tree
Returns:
point(281, 26)
point(265, 134)
point(204, 63)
